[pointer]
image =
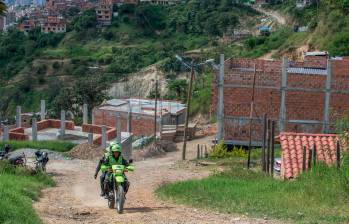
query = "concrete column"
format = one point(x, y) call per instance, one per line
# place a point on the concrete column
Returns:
point(104, 137)
point(62, 130)
point(90, 138)
point(93, 118)
point(220, 104)
point(34, 130)
point(85, 114)
point(42, 110)
point(18, 117)
point(129, 120)
point(118, 128)
point(283, 90)
point(6, 136)
point(326, 126)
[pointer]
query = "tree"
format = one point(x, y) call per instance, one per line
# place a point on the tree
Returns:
point(151, 17)
point(2, 7)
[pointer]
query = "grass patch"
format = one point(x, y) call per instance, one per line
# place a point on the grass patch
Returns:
point(319, 196)
point(58, 146)
point(18, 187)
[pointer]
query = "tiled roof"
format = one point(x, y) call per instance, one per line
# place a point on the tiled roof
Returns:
point(292, 150)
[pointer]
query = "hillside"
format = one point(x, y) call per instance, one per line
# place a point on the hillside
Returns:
point(88, 64)
point(327, 22)
point(62, 68)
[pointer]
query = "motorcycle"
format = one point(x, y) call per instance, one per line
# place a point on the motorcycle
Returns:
point(19, 160)
point(118, 186)
point(3, 155)
point(41, 159)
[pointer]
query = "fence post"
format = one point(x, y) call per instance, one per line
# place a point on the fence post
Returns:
point(34, 130)
point(6, 136)
point(201, 151)
point(18, 117)
point(85, 113)
point(90, 138)
point(198, 152)
point(206, 152)
point(310, 158)
point(268, 148)
point(304, 158)
point(264, 140)
point(338, 149)
point(272, 148)
point(104, 137)
point(314, 155)
point(62, 131)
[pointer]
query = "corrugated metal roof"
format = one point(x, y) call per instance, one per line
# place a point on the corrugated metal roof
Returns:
point(316, 53)
point(307, 71)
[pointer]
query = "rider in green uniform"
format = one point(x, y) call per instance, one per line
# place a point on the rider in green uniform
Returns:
point(113, 157)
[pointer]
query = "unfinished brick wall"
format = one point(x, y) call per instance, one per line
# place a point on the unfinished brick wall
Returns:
point(54, 123)
point(140, 124)
point(97, 129)
point(18, 134)
point(304, 96)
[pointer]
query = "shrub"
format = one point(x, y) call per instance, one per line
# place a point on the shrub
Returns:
point(221, 151)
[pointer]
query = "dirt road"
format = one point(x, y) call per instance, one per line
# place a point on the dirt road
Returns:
point(76, 199)
point(278, 17)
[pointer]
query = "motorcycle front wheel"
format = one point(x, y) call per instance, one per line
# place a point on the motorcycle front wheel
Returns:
point(120, 199)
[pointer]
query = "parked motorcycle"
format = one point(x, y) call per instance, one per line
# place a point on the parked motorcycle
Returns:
point(5, 153)
point(118, 186)
point(20, 160)
point(41, 159)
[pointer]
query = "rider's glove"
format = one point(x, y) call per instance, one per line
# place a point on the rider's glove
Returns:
point(95, 176)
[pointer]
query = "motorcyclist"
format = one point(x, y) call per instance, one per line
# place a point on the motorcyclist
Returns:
point(114, 157)
point(42, 156)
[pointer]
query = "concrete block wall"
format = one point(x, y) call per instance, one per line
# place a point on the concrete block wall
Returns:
point(305, 94)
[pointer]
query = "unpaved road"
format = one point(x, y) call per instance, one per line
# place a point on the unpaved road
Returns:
point(76, 199)
point(277, 16)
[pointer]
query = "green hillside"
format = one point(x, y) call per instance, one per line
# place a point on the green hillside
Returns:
point(60, 67)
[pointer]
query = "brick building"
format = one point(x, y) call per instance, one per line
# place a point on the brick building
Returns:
point(26, 25)
point(104, 12)
point(303, 96)
point(139, 113)
point(53, 24)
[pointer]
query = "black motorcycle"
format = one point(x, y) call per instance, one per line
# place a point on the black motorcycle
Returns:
point(20, 160)
point(41, 159)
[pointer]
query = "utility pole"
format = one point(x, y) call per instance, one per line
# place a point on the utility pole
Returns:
point(220, 105)
point(187, 111)
point(156, 105)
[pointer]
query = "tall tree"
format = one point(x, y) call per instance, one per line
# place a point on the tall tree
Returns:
point(2, 8)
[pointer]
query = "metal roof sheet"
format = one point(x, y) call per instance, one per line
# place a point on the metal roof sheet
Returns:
point(307, 71)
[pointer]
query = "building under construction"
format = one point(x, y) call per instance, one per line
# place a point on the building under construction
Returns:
point(303, 96)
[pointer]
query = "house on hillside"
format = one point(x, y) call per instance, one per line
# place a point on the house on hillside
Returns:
point(104, 13)
point(54, 24)
point(26, 25)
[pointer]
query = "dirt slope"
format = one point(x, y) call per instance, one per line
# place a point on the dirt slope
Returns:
point(76, 197)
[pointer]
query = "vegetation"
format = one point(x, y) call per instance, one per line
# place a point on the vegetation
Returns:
point(18, 187)
point(51, 66)
point(59, 146)
point(327, 20)
point(318, 196)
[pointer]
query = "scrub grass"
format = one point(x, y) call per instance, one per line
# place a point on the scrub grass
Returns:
point(18, 187)
point(318, 196)
point(58, 146)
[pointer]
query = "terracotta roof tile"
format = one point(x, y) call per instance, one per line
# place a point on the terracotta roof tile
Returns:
point(292, 150)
